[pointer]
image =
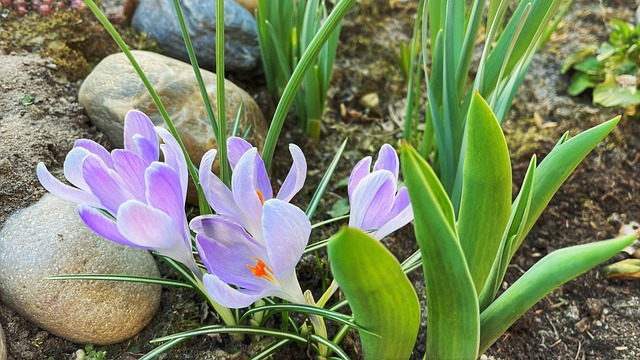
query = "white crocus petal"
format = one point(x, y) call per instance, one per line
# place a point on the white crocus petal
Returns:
point(230, 297)
point(64, 191)
point(73, 167)
point(296, 176)
point(362, 169)
point(372, 199)
point(286, 234)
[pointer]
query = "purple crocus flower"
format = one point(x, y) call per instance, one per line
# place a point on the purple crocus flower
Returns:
point(377, 205)
point(250, 186)
point(255, 240)
point(128, 196)
point(257, 266)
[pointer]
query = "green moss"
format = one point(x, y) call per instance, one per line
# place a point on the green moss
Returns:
point(73, 39)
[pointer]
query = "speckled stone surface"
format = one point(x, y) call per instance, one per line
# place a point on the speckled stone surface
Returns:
point(3, 345)
point(113, 88)
point(49, 238)
point(157, 18)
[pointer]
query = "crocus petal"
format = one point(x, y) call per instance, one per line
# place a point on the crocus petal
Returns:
point(73, 167)
point(362, 169)
point(105, 184)
point(163, 193)
point(131, 167)
point(286, 234)
point(296, 177)
point(289, 288)
point(400, 215)
point(236, 147)
point(388, 160)
point(95, 149)
point(250, 187)
point(372, 199)
point(227, 251)
point(64, 191)
point(137, 123)
point(148, 150)
point(103, 225)
point(227, 296)
point(215, 191)
point(174, 157)
point(153, 229)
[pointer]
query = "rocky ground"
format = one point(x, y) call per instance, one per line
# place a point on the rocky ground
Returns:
point(588, 318)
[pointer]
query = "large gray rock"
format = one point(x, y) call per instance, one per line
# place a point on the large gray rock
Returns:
point(113, 88)
point(158, 19)
point(48, 239)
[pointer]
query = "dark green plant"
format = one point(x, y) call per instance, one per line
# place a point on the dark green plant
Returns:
point(610, 69)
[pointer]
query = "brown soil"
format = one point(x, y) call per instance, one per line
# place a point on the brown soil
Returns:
point(588, 318)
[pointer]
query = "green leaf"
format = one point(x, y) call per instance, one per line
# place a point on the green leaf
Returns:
point(452, 306)
point(339, 208)
point(556, 168)
point(580, 82)
point(380, 294)
point(486, 190)
point(519, 213)
point(552, 271)
point(576, 57)
point(590, 65)
point(610, 94)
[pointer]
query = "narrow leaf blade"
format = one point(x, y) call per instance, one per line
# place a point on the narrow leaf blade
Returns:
point(552, 271)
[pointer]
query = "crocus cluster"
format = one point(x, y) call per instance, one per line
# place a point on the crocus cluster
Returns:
point(129, 196)
point(251, 245)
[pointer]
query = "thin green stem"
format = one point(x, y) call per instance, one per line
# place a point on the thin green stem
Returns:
point(225, 168)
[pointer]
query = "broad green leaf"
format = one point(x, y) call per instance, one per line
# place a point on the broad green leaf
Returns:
point(380, 294)
point(610, 94)
point(552, 271)
point(486, 190)
point(580, 82)
point(556, 168)
point(519, 213)
point(589, 65)
point(452, 305)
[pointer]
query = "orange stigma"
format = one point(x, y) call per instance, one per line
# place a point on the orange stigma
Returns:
point(262, 270)
point(259, 193)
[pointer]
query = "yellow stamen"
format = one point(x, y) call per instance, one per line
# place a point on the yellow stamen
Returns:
point(260, 196)
point(262, 270)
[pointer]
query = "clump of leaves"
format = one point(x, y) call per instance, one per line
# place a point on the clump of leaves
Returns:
point(611, 69)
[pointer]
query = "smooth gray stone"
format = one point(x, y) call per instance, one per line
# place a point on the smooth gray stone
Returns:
point(158, 19)
point(49, 238)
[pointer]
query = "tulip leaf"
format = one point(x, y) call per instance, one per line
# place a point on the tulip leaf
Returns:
point(519, 213)
point(380, 294)
point(485, 204)
point(552, 271)
point(452, 306)
point(556, 168)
